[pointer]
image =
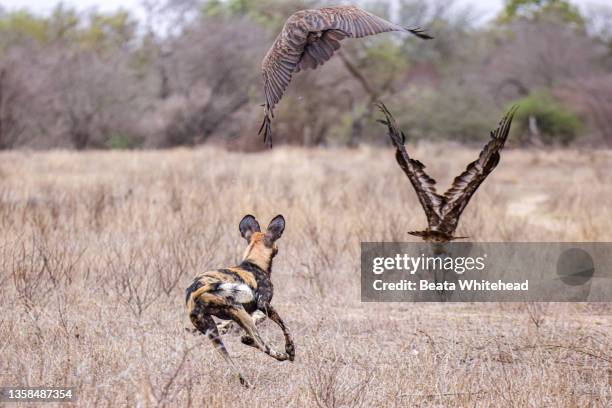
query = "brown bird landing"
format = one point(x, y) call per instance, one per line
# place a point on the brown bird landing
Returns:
point(443, 211)
point(309, 39)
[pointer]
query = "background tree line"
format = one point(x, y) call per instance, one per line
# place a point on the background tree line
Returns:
point(189, 74)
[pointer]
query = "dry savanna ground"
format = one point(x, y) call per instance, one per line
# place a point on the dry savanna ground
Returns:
point(97, 248)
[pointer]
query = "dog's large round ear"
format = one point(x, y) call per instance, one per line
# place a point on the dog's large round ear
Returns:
point(275, 229)
point(248, 226)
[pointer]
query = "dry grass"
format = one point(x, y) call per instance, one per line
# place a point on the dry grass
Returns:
point(97, 248)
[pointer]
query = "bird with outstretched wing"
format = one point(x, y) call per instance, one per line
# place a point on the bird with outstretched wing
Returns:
point(309, 38)
point(443, 211)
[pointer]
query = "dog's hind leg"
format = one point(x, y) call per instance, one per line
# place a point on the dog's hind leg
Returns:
point(245, 321)
point(227, 326)
point(206, 325)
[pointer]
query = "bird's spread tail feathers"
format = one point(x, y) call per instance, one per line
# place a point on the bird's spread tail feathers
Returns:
point(435, 236)
point(266, 129)
point(419, 32)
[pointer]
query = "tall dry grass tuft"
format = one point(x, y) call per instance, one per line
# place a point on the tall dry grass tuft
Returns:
point(97, 248)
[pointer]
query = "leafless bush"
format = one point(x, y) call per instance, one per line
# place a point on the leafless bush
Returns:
point(329, 387)
point(95, 96)
point(134, 279)
point(592, 96)
point(211, 68)
point(536, 313)
point(38, 267)
point(11, 91)
point(540, 55)
point(172, 265)
point(28, 274)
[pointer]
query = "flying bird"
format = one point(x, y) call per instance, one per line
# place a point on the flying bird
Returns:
point(443, 211)
point(309, 39)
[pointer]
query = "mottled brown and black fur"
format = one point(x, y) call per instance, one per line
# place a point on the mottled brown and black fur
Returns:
point(236, 293)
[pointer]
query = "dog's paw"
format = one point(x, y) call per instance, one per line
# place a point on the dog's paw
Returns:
point(247, 340)
point(290, 350)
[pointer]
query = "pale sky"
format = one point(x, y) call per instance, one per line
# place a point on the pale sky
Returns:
point(487, 8)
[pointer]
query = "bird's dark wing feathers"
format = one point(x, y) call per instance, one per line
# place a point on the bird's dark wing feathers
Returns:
point(338, 23)
point(277, 70)
point(466, 184)
point(335, 24)
point(278, 67)
point(358, 23)
point(424, 185)
point(292, 51)
point(320, 51)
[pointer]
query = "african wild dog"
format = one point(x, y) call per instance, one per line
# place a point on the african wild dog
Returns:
point(236, 293)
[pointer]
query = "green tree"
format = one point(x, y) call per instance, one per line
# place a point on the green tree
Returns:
point(99, 31)
point(109, 31)
point(63, 24)
point(542, 116)
point(541, 9)
point(17, 27)
point(270, 14)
